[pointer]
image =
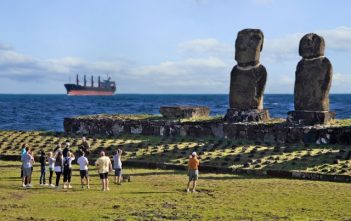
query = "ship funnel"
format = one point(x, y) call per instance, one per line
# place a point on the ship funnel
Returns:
point(85, 81)
point(92, 81)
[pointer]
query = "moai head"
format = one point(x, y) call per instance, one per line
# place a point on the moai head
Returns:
point(311, 46)
point(248, 46)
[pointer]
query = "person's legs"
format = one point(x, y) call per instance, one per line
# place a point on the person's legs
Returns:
point(41, 177)
point(194, 186)
point(102, 178)
point(58, 176)
point(50, 177)
point(65, 178)
point(23, 181)
point(119, 176)
point(44, 179)
point(107, 188)
point(69, 176)
point(29, 179)
point(188, 186)
point(87, 180)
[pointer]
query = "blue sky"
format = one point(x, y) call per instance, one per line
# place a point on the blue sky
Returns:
point(162, 46)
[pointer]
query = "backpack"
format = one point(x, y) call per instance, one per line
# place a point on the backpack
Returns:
point(66, 164)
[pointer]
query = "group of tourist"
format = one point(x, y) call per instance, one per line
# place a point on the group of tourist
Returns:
point(60, 162)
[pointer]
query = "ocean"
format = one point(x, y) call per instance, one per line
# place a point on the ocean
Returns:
point(46, 112)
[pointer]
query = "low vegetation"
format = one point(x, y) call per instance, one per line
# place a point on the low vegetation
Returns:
point(326, 159)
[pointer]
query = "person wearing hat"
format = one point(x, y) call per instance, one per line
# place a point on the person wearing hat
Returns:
point(193, 171)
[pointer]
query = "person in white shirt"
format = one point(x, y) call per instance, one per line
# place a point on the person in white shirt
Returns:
point(51, 160)
point(83, 169)
point(27, 161)
point(117, 166)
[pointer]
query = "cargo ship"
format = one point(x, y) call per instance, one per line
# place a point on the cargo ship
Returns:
point(105, 87)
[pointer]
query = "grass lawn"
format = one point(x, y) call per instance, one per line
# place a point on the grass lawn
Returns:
point(159, 195)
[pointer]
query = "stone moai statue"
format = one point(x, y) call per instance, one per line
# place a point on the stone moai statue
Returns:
point(248, 79)
point(313, 79)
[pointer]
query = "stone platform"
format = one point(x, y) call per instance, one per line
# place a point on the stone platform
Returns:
point(254, 115)
point(272, 132)
point(172, 112)
point(309, 117)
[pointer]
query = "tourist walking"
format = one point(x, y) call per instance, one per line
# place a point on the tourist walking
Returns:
point(83, 169)
point(27, 161)
point(193, 171)
point(51, 161)
point(67, 170)
point(58, 167)
point(117, 166)
point(42, 161)
point(103, 165)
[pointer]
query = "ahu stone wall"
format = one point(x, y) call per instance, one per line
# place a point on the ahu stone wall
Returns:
point(258, 132)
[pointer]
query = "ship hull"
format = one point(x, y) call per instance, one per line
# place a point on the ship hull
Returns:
point(77, 90)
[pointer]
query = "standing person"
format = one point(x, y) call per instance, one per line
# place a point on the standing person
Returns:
point(103, 164)
point(67, 170)
point(27, 160)
point(42, 161)
point(66, 149)
point(51, 161)
point(58, 167)
point(117, 166)
point(193, 171)
point(83, 169)
point(58, 148)
point(85, 146)
point(23, 151)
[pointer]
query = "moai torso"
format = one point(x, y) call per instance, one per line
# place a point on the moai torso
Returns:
point(248, 77)
point(246, 88)
point(313, 76)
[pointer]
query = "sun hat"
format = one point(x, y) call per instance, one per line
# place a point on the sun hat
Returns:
point(193, 153)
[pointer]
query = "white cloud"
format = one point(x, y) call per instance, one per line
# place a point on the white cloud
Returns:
point(208, 46)
point(338, 38)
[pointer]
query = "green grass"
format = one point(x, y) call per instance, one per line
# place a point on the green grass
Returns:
point(159, 195)
point(236, 154)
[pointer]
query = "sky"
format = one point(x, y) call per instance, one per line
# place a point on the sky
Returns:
point(163, 46)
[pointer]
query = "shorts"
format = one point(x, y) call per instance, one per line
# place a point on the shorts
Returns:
point(118, 172)
point(27, 172)
point(83, 173)
point(193, 175)
point(103, 175)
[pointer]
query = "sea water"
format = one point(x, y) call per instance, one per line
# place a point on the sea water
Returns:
point(46, 112)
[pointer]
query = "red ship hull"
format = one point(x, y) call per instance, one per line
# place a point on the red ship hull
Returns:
point(89, 92)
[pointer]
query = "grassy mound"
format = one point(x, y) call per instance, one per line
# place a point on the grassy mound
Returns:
point(159, 195)
point(213, 152)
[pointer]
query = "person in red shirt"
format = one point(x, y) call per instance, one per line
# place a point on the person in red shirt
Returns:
point(193, 171)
